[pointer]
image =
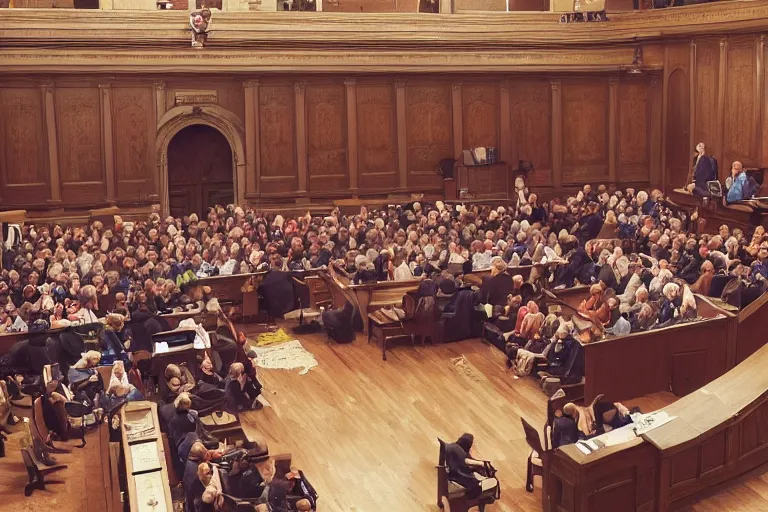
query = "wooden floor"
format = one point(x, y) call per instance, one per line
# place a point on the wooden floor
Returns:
point(365, 431)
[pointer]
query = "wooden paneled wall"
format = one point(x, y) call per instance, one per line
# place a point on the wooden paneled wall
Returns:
point(716, 94)
point(91, 141)
point(330, 137)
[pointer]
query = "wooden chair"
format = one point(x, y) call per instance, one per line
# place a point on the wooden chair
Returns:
point(536, 457)
point(555, 406)
point(450, 495)
point(36, 473)
point(39, 429)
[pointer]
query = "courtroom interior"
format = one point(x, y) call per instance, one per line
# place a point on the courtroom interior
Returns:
point(383, 255)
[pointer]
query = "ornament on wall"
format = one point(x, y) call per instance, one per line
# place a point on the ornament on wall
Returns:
point(200, 23)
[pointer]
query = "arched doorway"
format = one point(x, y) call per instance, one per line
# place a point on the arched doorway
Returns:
point(678, 130)
point(200, 170)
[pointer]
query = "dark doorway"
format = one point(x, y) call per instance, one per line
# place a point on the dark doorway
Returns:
point(199, 171)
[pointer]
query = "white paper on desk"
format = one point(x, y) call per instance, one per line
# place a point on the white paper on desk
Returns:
point(583, 448)
point(619, 435)
point(646, 422)
point(145, 456)
point(161, 347)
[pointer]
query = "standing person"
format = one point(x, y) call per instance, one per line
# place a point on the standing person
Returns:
point(704, 169)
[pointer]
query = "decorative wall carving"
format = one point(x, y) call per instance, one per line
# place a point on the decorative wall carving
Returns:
point(585, 131)
point(740, 105)
point(277, 137)
point(428, 131)
point(480, 103)
point(195, 97)
point(22, 134)
point(634, 130)
point(531, 112)
point(326, 136)
point(134, 134)
point(78, 123)
point(377, 136)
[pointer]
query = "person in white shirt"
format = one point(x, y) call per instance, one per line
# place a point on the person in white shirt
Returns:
point(402, 270)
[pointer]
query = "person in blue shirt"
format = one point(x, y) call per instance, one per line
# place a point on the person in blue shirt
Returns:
point(738, 179)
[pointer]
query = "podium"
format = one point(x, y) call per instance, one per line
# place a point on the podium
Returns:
point(483, 181)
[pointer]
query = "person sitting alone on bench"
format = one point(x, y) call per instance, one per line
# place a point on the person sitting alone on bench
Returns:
point(463, 469)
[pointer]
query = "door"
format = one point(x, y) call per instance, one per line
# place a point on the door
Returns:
point(199, 171)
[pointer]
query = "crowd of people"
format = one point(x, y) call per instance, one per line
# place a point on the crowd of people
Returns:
point(640, 257)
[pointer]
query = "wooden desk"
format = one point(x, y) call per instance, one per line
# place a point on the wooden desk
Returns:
point(9, 339)
point(715, 213)
point(367, 297)
point(487, 181)
point(718, 435)
point(680, 358)
point(228, 288)
point(145, 468)
point(751, 333)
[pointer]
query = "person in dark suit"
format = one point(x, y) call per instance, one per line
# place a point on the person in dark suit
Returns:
point(704, 170)
point(495, 288)
point(277, 289)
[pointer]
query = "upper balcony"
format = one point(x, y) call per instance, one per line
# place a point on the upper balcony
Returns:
point(158, 41)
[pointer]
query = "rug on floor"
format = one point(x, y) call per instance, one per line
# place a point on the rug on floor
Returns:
point(285, 356)
point(464, 367)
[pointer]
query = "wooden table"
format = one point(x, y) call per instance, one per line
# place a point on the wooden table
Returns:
point(145, 459)
point(718, 435)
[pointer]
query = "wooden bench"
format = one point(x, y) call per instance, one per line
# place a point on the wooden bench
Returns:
point(368, 297)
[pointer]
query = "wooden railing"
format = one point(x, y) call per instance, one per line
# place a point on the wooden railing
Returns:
point(718, 434)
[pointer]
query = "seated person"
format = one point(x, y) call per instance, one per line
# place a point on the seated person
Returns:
point(84, 380)
point(464, 470)
point(193, 486)
point(644, 319)
point(245, 481)
point(206, 398)
point(208, 375)
point(565, 358)
point(736, 184)
point(564, 430)
point(242, 391)
point(609, 416)
point(119, 387)
point(670, 305)
point(595, 307)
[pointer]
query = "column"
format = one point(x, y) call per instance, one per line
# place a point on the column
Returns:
point(505, 149)
point(718, 152)
point(402, 141)
point(458, 120)
point(762, 156)
point(664, 103)
point(352, 162)
point(160, 107)
point(252, 140)
point(105, 92)
point(655, 133)
point(613, 114)
point(557, 133)
point(53, 146)
point(300, 89)
point(692, 97)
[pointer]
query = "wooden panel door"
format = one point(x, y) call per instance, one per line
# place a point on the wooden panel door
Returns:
point(199, 171)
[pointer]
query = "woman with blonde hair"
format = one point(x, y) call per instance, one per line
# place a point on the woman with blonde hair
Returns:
point(84, 380)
